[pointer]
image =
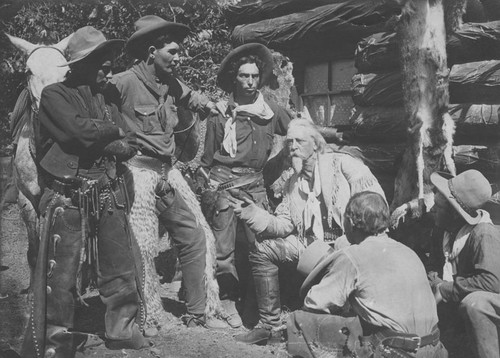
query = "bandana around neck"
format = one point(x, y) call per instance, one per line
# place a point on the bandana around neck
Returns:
point(312, 209)
point(259, 109)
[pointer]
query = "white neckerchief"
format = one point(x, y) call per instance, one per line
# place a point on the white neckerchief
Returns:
point(312, 209)
point(452, 249)
point(259, 108)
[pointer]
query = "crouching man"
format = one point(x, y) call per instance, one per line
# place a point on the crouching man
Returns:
point(382, 281)
point(312, 209)
point(471, 246)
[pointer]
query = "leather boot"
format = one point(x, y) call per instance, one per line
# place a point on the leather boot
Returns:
point(268, 301)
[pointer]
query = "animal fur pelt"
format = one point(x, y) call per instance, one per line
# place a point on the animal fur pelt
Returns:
point(144, 222)
point(422, 37)
point(177, 181)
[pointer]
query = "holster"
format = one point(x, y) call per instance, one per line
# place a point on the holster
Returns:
point(312, 335)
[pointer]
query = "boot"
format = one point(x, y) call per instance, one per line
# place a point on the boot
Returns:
point(201, 320)
point(232, 316)
point(268, 301)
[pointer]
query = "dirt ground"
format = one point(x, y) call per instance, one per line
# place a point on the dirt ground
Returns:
point(174, 340)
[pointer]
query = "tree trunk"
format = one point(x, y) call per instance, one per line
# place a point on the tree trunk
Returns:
point(421, 33)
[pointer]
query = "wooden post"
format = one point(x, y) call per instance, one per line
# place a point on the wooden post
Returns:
point(422, 37)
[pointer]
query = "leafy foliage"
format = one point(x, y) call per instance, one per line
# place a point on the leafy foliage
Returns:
point(47, 23)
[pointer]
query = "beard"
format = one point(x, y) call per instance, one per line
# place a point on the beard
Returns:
point(297, 164)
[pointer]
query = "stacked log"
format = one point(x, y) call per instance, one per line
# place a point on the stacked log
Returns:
point(297, 27)
point(474, 86)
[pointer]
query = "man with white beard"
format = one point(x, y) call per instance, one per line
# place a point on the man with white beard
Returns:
point(314, 201)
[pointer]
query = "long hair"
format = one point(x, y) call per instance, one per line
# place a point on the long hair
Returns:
point(235, 66)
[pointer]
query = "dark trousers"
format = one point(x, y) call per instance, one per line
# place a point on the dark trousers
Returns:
point(315, 335)
point(233, 239)
point(481, 312)
point(116, 274)
point(265, 260)
point(189, 238)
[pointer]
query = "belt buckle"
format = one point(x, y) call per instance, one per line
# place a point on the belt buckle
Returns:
point(418, 340)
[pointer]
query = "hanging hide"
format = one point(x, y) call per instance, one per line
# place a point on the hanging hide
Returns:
point(422, 37)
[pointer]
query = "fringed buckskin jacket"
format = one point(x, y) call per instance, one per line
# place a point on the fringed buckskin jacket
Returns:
point(341, 176)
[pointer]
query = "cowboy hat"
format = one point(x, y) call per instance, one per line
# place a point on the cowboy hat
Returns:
point(88, 40)
point(467, 192)
point(313, 260)
point(223, 79)
point(148, 28)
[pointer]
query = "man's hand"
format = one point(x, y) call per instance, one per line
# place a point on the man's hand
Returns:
point(437, 293)
point(242, 207)
point(212, 107)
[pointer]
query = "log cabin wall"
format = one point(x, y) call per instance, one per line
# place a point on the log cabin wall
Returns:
point(331, 42)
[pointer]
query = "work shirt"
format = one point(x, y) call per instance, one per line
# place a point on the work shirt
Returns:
point(254, 138)
point(150, 108)
point(478, 267)
point(78, 119)
point(384, 282)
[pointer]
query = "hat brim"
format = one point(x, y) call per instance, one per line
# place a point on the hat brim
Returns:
point(314, 277)
point(109, 45)
point(440, 181)
point(256, 49)
point(138, 41)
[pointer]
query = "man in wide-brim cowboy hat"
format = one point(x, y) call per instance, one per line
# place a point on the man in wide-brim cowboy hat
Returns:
point(153, 100)
point(237, 145)
point(382, 281)
point(83, 141)
point(471, 248)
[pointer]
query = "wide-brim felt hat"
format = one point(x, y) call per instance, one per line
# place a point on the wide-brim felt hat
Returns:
point(467, 192)
point(150, 27)
point(312, 261)
point(225, 82)
point(87, 41)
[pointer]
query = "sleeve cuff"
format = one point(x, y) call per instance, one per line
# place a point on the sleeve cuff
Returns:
point(107, 130)
point(446, 290)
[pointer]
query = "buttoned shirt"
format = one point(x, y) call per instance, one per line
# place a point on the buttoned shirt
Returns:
point(150, 107)
point(384, 282)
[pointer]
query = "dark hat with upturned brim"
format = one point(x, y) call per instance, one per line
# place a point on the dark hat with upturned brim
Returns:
point(224, 80)
point(87, 41)
point(312, 261)
point(148, 28)
point(467, 192)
